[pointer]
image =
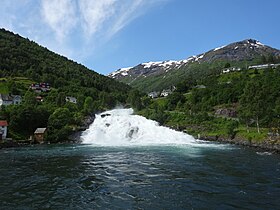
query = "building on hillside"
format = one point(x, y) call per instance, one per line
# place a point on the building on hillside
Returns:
point(8, 99)
point(231, 69)
point(3, 129)
point(41, 87)
point(165, 93)
point(200, 87)
point(39, 99)
point(16, 99)
point(154, 94)
point(71, 99)
point(264, 66)
point(39, 135)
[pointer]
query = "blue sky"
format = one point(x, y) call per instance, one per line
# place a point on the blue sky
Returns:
point(105, 35)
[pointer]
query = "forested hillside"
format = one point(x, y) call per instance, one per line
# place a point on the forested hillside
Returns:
point(239, 106)
point(23, 62)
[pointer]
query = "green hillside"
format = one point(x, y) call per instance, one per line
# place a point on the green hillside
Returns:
point(235, 106)
point(23, 62)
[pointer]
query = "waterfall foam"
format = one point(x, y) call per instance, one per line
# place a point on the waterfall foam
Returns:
point(119, 127)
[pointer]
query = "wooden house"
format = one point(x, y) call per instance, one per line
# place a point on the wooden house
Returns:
point(39, 135)
point(3, 129)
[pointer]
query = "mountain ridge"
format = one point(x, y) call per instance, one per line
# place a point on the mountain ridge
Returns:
point(247, 50)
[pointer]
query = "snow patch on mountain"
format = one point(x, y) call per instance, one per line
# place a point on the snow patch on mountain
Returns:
point(218, 48)
point(122, 71)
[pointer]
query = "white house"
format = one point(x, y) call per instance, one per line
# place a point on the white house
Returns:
point(3, 129)
point(16, 99)
point(165, 93)
point(264, 66)
point(71, 99)
point(153, 94)
point(6, 99)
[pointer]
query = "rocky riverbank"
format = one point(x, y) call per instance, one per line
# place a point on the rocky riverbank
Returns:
point(271, 145)
point(76, 136)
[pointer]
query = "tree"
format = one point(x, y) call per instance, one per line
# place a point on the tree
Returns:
point(29, 99)
point(174, 98)
point(60, 118)
point(231, 126)
point(88, 105)
point(60, 100)
point(134, 99)
point(252, 102)
point(227, 65)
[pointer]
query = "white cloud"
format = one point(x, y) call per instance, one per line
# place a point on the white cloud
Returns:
point(60, 15)
point(127, 13)
point(74, 28)
point(95, 13)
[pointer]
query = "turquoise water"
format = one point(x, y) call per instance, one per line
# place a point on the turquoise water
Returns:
point(156, 177)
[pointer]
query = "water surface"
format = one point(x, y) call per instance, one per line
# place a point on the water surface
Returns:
point(210, 176)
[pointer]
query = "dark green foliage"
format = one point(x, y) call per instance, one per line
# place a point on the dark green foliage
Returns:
point(253, 96)
point(231, 126)
point(174, 99)
point(134, 99)
point(31, 63)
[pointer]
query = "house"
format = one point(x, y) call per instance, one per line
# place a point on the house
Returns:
point(3, 129)
point(71, 99)
point(16, 99)
point(165, 93)
point(39, 135)
point(231, 69)
point(264, 66)
point(200, 87)
point(7, 99)
point(39, 99)
point(41, 87)
point(153, 94)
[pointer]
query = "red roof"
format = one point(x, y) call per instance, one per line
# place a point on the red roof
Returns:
point(3, 123)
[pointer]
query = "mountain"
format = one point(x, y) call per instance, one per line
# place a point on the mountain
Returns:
point(20, 57)
point(24, 64)
point(164, 74)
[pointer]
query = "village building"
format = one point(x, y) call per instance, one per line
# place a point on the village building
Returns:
point(71, 99)
point(165, 93)
point(153, 94)
point(41, 87)
point(200, 87)
point(39, 135)
point(231, 69)
point(39, 99)
point(7, 99)
point(264, 66)
point(3, 129)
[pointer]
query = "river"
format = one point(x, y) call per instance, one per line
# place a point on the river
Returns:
point(174, 171)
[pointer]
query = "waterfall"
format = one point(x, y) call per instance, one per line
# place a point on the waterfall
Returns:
point(119, 127)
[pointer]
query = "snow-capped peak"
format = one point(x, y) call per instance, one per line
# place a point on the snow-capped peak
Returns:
point(122, 71)
point(218, 48)
point(254, 43)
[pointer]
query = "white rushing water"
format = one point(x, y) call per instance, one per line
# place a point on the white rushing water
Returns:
point(119, 127)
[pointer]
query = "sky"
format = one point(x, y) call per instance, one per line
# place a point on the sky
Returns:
point(105, 35)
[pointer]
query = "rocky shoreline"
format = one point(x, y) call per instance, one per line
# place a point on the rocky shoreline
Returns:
point(271, 145)
point(76, 136)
